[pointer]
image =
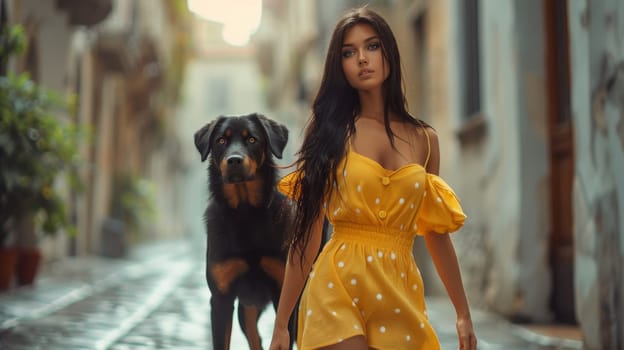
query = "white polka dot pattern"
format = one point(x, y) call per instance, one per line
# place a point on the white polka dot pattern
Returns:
point(366, 282)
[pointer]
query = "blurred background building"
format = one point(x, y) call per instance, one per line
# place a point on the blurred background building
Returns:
point(124, 63)
point(527, 98)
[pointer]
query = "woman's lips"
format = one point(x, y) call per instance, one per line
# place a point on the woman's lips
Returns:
point(365, 73)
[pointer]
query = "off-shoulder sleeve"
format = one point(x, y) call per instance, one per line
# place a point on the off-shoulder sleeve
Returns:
point(286, 185)
point(440, 210)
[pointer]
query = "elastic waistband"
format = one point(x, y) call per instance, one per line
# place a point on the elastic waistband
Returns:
point(382, 237)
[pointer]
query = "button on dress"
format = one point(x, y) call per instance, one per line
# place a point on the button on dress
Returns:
point(365, 280)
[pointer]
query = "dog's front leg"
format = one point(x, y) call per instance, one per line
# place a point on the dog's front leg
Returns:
point(248, 319)
point(220, 277)
point(222, 307)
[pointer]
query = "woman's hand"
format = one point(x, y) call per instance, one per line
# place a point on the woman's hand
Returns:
point(280, 340)
point(466, 334)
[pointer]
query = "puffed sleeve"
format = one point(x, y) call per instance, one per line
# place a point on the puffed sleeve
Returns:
point(286, 185)
point(440, 210)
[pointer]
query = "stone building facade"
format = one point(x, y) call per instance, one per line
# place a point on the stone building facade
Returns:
point(122, 60)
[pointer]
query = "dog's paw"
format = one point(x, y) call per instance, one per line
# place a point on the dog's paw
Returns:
point(224, 273)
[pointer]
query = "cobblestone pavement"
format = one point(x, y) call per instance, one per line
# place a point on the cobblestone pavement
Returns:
point(157, 299)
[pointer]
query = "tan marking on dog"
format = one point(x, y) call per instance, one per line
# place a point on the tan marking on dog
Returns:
point(223, 166)
point(253, 189)
point(250, 164)
point(226, 272)
point(251, 315)
point(245, 192)
point(231, 195)
point(274, 268)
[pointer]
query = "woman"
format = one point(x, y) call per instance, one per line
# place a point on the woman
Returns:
point(371, 168)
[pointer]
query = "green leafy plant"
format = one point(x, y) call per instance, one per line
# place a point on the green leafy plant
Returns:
point(12, 41)
point(133, 201)
point(36, 146)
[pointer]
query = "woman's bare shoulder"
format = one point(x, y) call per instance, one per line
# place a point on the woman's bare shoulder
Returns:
point(421, 130)
point(425, 139)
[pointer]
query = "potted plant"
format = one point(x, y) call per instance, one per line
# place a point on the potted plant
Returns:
point(36, 146)
point(132, 205)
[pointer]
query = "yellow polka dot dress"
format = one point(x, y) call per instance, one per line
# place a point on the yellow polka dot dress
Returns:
point(365, 280)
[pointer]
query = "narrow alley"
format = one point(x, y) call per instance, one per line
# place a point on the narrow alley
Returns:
point(156, 298)
point(103, 192)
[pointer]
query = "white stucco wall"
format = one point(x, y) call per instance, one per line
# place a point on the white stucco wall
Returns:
point(534, 278)
point(502, 178)
point(499, 160)
point(52, 33)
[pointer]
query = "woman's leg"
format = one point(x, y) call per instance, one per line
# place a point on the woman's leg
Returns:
point(354, 343)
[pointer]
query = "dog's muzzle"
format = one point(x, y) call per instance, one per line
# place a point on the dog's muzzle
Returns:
point(236, 169)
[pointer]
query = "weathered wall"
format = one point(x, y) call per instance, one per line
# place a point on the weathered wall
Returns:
point(597, 95)
point(503, 184)
point(534, 277)
point(491, 187)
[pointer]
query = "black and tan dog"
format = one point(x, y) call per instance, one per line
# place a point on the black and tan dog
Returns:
point(247, 221)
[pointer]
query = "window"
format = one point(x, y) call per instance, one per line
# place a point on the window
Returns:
point(471, 62)
point(419, 27)
point(473, 125)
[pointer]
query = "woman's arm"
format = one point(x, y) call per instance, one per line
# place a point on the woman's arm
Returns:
point(444, 258)
point(443, 254)
point(294, 280)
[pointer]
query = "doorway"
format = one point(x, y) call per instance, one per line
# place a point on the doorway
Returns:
point(561, 156)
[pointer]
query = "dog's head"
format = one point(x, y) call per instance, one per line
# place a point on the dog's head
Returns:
point(240, 145)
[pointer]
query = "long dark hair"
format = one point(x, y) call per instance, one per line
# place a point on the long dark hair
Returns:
point(333, 120)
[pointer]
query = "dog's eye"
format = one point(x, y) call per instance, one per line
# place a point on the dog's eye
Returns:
point(221, 141)
point(251, 139)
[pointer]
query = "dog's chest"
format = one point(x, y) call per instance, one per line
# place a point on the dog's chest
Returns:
point(251, 228)
point(247, 228)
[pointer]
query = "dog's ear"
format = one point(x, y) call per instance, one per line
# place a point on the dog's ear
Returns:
point(277, 134)
point(203, 138)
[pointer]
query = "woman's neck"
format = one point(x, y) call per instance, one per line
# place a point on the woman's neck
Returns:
point(371, 105)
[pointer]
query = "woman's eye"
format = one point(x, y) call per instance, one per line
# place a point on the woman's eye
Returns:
point(251, 139)
point(374, 46)
point(347, 53)
point(221, 141)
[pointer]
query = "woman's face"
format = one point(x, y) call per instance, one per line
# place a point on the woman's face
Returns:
point(363, 61)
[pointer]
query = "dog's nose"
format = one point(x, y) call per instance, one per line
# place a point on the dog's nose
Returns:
point(235, 160)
